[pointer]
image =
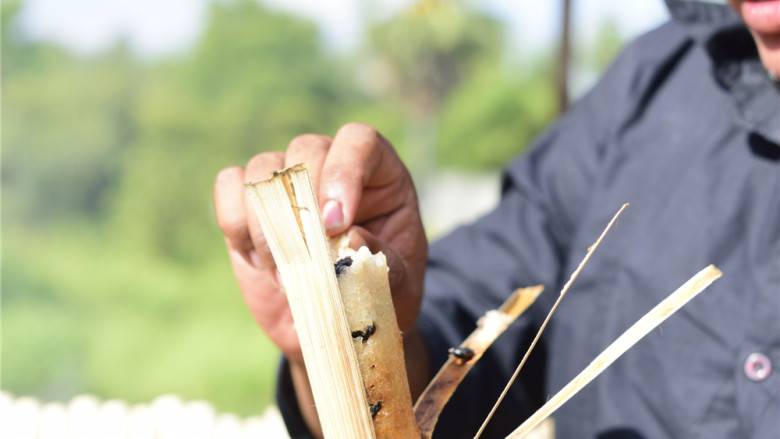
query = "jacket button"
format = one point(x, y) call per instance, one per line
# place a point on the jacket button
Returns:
point(757, 367)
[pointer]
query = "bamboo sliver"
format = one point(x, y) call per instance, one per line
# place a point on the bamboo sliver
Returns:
point(438, 392)
point(631, 336)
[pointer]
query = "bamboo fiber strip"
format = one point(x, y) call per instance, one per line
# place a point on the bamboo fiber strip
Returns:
point(563, 292)
point(631, 336)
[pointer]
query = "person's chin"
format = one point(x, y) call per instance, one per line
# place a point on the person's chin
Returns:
point(769, 51)
point(762, 17)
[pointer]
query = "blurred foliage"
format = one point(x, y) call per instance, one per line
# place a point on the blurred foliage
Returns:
point(428, 51)
point(596, 55)
point(255, 81)
point(431, 47)
point(114, 278)
point(486, 119)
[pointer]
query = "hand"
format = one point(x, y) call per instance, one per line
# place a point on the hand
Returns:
point(363, 189)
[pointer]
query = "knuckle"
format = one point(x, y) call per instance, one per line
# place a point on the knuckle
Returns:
point(261, 245)
point(227, 176)
point(360, 130)
point(267, 161)
point(229, 226)
point(227, 186)
point(306, 142)
point(232, 226)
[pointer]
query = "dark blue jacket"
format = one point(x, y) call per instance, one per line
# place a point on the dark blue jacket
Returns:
point(685, 126)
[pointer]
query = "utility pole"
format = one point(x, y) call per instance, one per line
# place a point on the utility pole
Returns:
point(563, 58)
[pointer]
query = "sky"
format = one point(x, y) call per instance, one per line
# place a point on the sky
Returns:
point(161, 27)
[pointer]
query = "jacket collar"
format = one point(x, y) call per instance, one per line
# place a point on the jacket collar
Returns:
point(703, 19)
point(735, 63)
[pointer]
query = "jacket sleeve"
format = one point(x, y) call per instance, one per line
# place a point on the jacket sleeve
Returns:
point(525, 241)
point(288, 404)
point(522, 242)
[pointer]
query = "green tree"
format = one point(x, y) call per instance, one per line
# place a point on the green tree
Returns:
point(493, 117)
point(427, 51)
point(66, 123)
point(114, 276)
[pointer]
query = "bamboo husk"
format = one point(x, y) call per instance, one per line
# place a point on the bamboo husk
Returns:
point(433, 399)
point(290, 218)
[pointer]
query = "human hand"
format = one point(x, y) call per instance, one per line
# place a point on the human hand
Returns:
point(363, 189)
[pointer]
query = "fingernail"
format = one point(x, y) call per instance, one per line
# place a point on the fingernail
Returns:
point(254, 259)
point(332, 215)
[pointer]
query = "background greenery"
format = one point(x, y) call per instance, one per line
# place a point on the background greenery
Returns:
point(114, 277)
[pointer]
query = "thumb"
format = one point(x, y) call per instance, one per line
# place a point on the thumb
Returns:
point(359, 160)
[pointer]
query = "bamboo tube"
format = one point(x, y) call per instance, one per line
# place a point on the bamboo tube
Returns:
point(376, 338)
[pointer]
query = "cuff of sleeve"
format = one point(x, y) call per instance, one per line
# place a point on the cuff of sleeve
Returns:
point(436, 343)
point(288, 404)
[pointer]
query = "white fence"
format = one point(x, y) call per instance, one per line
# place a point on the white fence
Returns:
point(167, 417)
